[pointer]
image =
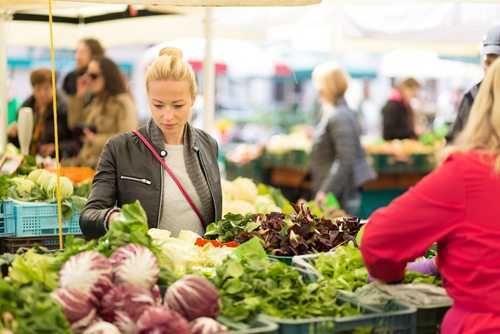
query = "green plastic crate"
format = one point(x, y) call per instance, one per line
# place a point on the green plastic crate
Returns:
point(399, 319)
point(416, 163)
point(285, 259)
point(260, 326)
point(251, 170)
point(429, 318)
point(294, 159)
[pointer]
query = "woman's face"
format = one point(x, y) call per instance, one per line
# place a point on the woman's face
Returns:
point(96, 78)
point(170, 103)
point(43, 93)
point(83, 56)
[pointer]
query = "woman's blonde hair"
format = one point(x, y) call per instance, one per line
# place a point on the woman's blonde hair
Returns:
point(330, 78)
point(169, 65)
point(482, 131)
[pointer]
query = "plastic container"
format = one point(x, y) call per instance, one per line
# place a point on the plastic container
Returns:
point(399, 319)
point(12, 245)
point(285, 259)
point(28, 219)
point(251, 169)
point(260, 326)
point(5, 229)
point(429, 318)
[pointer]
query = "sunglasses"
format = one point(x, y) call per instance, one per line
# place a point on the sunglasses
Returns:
point(94, 76)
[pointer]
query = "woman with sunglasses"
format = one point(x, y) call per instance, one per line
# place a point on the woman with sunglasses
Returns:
point(168, 165)
point(111, 111)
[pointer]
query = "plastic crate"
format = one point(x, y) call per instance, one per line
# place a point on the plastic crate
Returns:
point(295, 159)
point(260, 326)
point(416, 163)
point(28, 219)
point(400, 319)
point(429, 318)
point(6, 215)
point(285, 259)
point(12, 245)
point(252, 169)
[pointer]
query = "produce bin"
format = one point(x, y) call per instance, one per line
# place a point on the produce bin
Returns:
point(251, 169)
point(28, 219)
point(12, 245)
point(285, 259)
point(416, 163)
point(260, 326)
point(397, 319)
point(5, 229)
point(429, 318)
point(295, 159)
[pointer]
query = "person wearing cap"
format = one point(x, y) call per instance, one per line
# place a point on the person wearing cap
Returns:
point(397, 114)
point(490, 50)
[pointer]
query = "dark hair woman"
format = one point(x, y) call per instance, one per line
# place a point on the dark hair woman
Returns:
point(111, 111)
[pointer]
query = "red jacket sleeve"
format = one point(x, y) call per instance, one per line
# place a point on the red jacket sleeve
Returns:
point(404, 230)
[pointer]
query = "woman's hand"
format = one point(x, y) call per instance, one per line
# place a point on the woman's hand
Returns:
point(114, 216)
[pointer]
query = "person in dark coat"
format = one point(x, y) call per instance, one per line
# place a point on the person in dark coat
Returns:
point(42, 142)
point(87, 49)
point(397, 114)
point(490, 50)
point(339, 161)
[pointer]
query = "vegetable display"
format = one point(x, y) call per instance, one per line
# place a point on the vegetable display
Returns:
point(345, 268)
point(296, 234)
point(193, 297)
point(242, 196)
point(40, 186)
point(249, 283)
point(186, 254)
point(28, 309)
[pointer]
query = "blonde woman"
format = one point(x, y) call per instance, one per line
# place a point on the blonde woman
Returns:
point(339, 162)
point(168, 165)
point(456, 206)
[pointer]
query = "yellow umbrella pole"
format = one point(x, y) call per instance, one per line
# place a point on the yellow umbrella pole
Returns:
point(56, 134)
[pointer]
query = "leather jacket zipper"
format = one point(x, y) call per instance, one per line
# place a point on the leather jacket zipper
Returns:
point(135, 179)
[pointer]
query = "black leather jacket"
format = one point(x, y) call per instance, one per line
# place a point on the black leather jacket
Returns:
point(127, 171)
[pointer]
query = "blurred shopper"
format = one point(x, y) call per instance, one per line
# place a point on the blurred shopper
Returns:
point(339, 163)
point(457, 207)
point(41, 103)
point(111, 111)
point(87, 49)
point(489, 51)
point(369, 114)
point(398, 115)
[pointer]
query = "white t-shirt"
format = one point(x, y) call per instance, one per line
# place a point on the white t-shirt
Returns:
point(177, 214)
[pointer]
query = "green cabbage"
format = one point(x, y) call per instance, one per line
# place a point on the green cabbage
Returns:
point(23, 185)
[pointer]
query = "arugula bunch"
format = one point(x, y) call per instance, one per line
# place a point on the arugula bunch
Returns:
point(249, 283)
point(228, 228)
point(344, 267)
point(346, 270)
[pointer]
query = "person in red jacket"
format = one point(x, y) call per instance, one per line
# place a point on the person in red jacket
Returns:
point(457, 206)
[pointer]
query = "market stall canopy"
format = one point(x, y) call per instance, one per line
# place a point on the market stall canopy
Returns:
point(29, 4)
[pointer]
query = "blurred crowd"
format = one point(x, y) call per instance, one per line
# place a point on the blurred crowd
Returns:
point(93, 104)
